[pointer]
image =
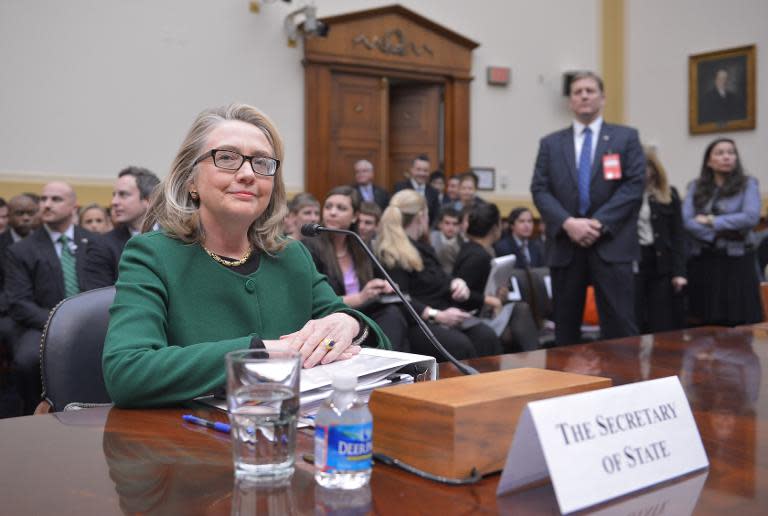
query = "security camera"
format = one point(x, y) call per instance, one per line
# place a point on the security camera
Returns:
point(309, 27)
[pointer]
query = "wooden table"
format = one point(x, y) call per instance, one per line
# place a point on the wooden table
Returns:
point(103, 461)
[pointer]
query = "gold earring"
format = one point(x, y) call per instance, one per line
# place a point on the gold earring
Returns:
point(195, 196)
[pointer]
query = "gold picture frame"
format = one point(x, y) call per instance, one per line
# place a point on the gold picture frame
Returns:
point(722, 95)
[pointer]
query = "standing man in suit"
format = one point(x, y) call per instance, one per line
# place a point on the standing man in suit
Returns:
point(588, 186)
point(368, 191)
point(130, 200)
point(41, 270)
point(419, 181)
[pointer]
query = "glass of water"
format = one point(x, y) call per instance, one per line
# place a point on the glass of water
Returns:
point(263, 402)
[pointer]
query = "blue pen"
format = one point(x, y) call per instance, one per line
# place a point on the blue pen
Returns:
point(213, 425)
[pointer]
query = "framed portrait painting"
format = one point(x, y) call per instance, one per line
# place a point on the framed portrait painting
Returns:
point(722, 91)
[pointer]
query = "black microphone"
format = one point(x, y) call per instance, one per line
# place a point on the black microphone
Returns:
point(313, 230)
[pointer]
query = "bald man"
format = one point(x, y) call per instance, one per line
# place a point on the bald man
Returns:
point(40, 271)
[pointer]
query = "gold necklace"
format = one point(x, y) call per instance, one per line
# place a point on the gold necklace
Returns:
point(229, 263)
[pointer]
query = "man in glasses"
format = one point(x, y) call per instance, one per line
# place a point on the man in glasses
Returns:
point(130, 200)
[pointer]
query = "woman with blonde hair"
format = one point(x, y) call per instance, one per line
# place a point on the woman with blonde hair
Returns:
point(440, 300)
point(660, 276)
point(220, 276)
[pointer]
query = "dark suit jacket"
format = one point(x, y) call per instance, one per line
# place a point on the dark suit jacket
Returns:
point(380, 196)
point(615, 203)
point(431, 286)
point(473, 265)
point(34, 282)
point(5, 241)
point(668, 235)
point(508, 245)
point(102, 258)
point(432, 196)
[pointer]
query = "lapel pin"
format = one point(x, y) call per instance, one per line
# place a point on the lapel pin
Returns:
point(606, 137)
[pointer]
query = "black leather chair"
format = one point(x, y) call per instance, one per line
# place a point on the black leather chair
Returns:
point(71, 346)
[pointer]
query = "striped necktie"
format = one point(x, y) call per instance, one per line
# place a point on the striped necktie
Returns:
point(68, 268)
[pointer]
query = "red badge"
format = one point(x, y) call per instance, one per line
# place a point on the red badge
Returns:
point(611, 167)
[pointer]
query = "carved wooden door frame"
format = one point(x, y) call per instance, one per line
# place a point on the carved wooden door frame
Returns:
point(389, 41)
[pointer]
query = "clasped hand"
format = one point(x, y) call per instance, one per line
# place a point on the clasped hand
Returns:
point(581, 231)
point(313, 340)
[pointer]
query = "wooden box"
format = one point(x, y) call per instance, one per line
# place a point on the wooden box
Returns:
point(447, 427)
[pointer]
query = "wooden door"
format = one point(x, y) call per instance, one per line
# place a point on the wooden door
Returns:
point(414, 127)
point(358, 111)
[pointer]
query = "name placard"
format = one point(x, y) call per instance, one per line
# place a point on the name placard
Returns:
point(602, 444)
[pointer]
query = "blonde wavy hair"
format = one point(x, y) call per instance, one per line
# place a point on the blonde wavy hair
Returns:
point(657, 184)
point(172, 207)
point(392, 246)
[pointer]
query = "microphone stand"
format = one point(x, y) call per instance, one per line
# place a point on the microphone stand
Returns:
point(315, 229)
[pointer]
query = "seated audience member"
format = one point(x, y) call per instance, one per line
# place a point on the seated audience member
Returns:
point(437, 181)
point(660, 275)
point(720, 210)
point(365, 186)
point(528, 251)
point(349, 268)
point(302, 209)
point(467, 192)
point(94, 218)
point(440, 300)
point(130, 200)
point(22, 210)
point(219, 276)
point(41, 270)
point(418, 181)
point(368, 221)
point(473, 265)
point(37, 221)
point(3, 215)
point(451, 191)
point(446, 239)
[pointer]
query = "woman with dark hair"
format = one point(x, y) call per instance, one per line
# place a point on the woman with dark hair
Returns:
point(660, 277)
point(349, 268)
point(220, 276)
point(516, 329)
point(528, 252)
point(438, 298)
point(720, 210)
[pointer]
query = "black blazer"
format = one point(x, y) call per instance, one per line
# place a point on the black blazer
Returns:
point(34, 282)
point(668, 235)
point(432, 196)
point(508, 245)
point(430, 286)
point(380, 196)
point(102, 258)
point(5, 241)
point(615, 203)
point(473, 265)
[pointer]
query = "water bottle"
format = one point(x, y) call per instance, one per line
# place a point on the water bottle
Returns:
point(343, 437)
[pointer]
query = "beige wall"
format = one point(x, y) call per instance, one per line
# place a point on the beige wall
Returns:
point(660, 36)
point(84, 96)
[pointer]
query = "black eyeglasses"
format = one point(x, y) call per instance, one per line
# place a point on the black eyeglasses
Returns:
point(231, 160)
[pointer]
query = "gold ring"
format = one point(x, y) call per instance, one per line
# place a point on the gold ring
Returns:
point(328, 343)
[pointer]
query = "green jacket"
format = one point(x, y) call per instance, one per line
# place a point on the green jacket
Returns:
point(177, 313)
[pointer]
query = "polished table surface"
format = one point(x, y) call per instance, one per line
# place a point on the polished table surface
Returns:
point(111, 461)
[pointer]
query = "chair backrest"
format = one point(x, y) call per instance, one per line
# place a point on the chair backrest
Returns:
point(71, 348)
point(541, 299)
